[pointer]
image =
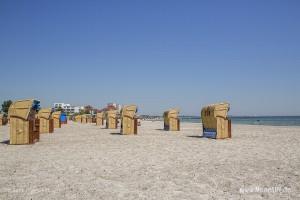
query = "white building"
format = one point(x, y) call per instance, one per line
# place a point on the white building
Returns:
point(77, 109)
point(68, 107)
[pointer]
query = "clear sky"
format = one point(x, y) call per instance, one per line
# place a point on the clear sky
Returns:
point(156, 54)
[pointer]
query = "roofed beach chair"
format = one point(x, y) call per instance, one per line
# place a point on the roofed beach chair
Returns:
point(83, 119)
point(56, 119)
point(46, 121)
point(171, 120)
point(111, 119)
point(129, 120)
point(215, 121)
point(63, 118)
point(23, 121)
point(3, 120)
point(78, 118)
point(89, 118)
point(99, 118)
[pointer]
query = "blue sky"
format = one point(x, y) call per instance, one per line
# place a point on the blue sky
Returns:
point(156, 54)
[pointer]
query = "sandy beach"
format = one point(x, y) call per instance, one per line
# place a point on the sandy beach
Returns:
point(84, 161)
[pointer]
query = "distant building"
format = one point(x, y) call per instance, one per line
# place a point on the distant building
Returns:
point(68, 108)
point(77, 109)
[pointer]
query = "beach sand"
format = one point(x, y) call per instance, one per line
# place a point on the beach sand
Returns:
point(84, 161)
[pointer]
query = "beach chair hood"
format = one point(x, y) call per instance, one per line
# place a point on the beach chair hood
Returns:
point(56, 115)
point(173, 113)
point(45, 113)
point(22, 108)
point(129, 111)
point(100, 115)
point(112, 114)
point(215, 110)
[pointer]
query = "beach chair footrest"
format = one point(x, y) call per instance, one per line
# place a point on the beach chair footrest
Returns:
point(210, 133)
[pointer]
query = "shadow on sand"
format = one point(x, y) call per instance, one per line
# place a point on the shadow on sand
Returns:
point(116, 134)
point(5, 142)
point(195, 136)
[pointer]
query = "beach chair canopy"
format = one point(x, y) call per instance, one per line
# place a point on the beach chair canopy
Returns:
point(100, 115)
point(22, 108)
point(215, 110)
point(63, 117)
point(45, 113)
point(86, 116)
point(56, 115)
point(78, 117)
point(129, 111)
point(172, 113)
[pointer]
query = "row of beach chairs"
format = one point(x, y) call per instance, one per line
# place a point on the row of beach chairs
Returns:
point(28, 121)
point(129, 120)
